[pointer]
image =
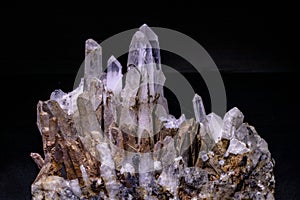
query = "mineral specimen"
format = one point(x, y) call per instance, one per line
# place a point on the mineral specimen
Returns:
point(108, 141)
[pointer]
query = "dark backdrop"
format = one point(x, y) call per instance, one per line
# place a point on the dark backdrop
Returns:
point(255, 50)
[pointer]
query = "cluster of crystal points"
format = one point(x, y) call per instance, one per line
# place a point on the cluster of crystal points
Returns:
point(108, 141)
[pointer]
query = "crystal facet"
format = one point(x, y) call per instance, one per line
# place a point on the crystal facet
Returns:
point(108, 141)
point(93, 62)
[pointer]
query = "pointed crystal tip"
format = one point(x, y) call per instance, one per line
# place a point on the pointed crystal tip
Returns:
point(111, 60)
point(197, 98)
point(91, 45)
point(113, 64)
point(148, 32)
point(144, 25)
point(199, 109)
point(139, 40)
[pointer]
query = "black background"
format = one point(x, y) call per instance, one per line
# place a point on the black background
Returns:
point(256, 51)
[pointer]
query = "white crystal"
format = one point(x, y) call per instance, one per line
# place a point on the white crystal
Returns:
point(215, 124)
point(221, 162)
point(146, 163)
point(92, 62)
point(168, 151)
point(127, 168)
point(74, 185)
point(172, 122)
point(139, 51)
point(149, 33)
point(157, 165)
point(241, 132)
point(67, 101)
point(203, 156)
point(199, 109)
point(169, 179)
point(153, 39)
point(232, 120)
point(96, 92)
point(140, 56)
point(128, 96)
point(107, 169)
point(84, 175)
point(237, 147)
point(263, 145)
point(226, 176)
point(114, 75)
point(105, 155)
point(144, 114)
point(88, 119)
point(55, 187)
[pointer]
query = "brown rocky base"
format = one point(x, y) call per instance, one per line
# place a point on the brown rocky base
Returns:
point(70, 171)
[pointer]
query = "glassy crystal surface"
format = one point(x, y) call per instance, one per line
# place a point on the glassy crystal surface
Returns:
point(92, 62)
point(106, 140)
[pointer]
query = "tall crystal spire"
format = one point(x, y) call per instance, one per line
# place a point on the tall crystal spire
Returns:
point(153, 40)
point(232, 120)
point(93, 62)
point(199, 109)
point(156, 74)
point(140, 52)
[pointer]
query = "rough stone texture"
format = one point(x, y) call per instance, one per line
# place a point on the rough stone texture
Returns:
point(108, 141)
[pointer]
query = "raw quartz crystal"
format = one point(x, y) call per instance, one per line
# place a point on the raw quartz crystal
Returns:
point(106, 140)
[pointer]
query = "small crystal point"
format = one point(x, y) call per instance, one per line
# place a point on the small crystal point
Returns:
point(232, 121)
point(113, 65)
point(199, 108)
point(67, 101)
point(114, 75)
point(93, 62)
point(237, 147)
point(215, 124)
point(148, 32)
point(171, 122)
point(91, 45)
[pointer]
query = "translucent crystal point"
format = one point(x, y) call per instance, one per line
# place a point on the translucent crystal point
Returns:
point(237, 147)
point(153, 39)
point(232, 120)
point(171, 122)
point(67, 101)
point(92, 62)
point(140, 51)
point(242, 132)
point(215, 124)
point(149, 33)
point(158, 76)
point(199, 109)
point(140, 56)
point(114, 76)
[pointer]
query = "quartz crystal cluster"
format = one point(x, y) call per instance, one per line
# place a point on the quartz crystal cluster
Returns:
point(115, 139)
